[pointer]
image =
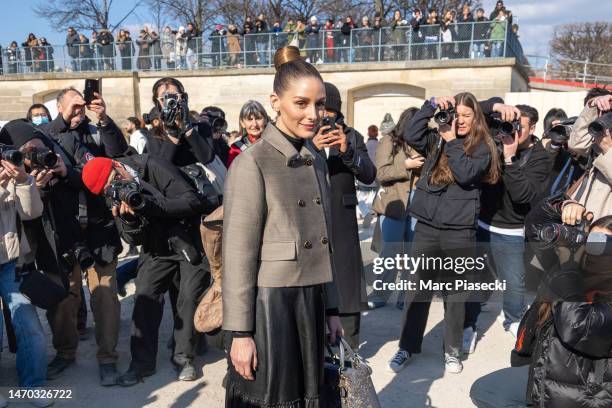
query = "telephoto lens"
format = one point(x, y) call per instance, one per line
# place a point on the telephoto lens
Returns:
point(598, 127)
point(41, 158)
point(11, 154)
point(444, 116)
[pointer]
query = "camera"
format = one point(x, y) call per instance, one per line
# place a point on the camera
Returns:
point(41, 158)
point(598, 127)
point(560, 133)
point(445, 116)
point(217, 121)
point(126, 191)
point(552, 234)
point(502, 128)
point(171, 101)
point(11, 154)
point(79, 255)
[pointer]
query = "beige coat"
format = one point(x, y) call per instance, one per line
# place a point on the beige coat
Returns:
point(395, 183)
point(233, 43)
point(597, 197)
point(22, 199)
point(276, 225)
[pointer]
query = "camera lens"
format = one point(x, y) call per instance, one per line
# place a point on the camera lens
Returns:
point(171, 103)
point(596, 129)
point(506, 128)
point(14, 156)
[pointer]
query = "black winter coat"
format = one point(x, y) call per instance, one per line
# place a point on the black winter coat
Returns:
point(570, 356)
point(355, 164)
point(456, 205)
point(172, 204)
point(81, 144)
point(199, 147)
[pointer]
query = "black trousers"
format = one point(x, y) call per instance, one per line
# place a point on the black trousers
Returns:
point(432, 242)
point(155, 277)
point(351, 323)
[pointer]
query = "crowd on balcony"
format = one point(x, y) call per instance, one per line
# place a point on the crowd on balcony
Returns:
point(421, 34)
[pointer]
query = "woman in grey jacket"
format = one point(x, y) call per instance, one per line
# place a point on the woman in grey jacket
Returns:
point(278, 269)
point(20, 200)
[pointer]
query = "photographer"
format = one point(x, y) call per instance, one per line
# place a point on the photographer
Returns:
point(155, 207)
point(348, 161)
point(460, 157)
point(563, 356)
point(594, 191)
point(82, 141)
point(20, 201)
point(504, 207)
point(177, 139)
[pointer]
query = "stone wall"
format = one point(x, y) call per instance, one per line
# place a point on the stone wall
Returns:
point(368, 90)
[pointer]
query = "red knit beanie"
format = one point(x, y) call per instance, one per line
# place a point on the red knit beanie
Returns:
point(96, 172)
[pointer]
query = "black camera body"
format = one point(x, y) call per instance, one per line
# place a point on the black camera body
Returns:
point(217, 121)
point(502, 128)
point(127, 191)
point(11, 154)
point(598, 127)
point(559, 134)
point(445, 116)
point(557, 234)
point(41, 158)
point(79, 255)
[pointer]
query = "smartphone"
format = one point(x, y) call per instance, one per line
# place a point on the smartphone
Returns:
point(91, 86)
point(329, 121)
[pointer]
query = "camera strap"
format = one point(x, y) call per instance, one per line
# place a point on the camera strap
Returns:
point(82, 209)
point(586, 180)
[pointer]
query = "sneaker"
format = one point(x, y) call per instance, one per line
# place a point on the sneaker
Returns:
point(399, 361)
point(57, 367)
point(452, 364)
point(133, 376)
point(186, 372)
point(41, 402)
point(108, 375)
point(513, 329)
point(376, 304)
point(3, 401)
point(469, 340)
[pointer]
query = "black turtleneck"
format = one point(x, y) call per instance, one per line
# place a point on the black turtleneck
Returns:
point(297, 142)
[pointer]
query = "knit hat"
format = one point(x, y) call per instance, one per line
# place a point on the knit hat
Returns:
point(96, 172)
point(19, 132)
point(333, 102)
point(387, 125)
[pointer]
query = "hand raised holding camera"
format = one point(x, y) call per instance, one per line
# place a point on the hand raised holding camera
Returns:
point(448, 131)
point(98, 106)
point(508, 113)
point(15, 172)
point(602, 103)
point(444, 102)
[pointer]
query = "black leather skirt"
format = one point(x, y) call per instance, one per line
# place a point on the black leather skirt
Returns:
point(290, 340)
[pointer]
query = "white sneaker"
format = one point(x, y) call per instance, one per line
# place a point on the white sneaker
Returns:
point(469, 340)
point(452, 364)
point(41, 402)
point(399, 361)
point(3, 401)
point(513, 329)
point(319, 61)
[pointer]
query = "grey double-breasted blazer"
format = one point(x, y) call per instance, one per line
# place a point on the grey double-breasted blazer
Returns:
point(276, 225)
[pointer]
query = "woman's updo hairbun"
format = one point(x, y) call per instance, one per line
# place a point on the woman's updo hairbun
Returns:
point(290, 66)
point(286, 54)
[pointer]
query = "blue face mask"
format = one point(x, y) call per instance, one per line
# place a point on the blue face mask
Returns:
point(39, 120)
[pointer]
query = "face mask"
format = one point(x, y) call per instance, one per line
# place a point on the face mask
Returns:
point(39, 120)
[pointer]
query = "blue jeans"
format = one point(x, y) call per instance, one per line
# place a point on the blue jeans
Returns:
point(31, 342)
point(507, 252)
point(496, 49)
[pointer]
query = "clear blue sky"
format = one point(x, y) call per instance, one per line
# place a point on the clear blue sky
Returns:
point(536, 19)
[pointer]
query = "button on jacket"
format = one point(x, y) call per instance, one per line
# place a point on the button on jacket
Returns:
point(274, 226)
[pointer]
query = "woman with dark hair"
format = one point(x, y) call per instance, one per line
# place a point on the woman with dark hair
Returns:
point(38, 114)
point(13, 57)
point(397, 170)
point(86, 54)
point(460, 157)
point(48, 64)
point(253, 120)
point(277, 265)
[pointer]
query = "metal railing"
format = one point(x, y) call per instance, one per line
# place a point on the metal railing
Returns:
point(317, 44)
point(587, 73)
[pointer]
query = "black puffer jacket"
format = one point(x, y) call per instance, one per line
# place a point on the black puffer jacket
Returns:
point(572, 362)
